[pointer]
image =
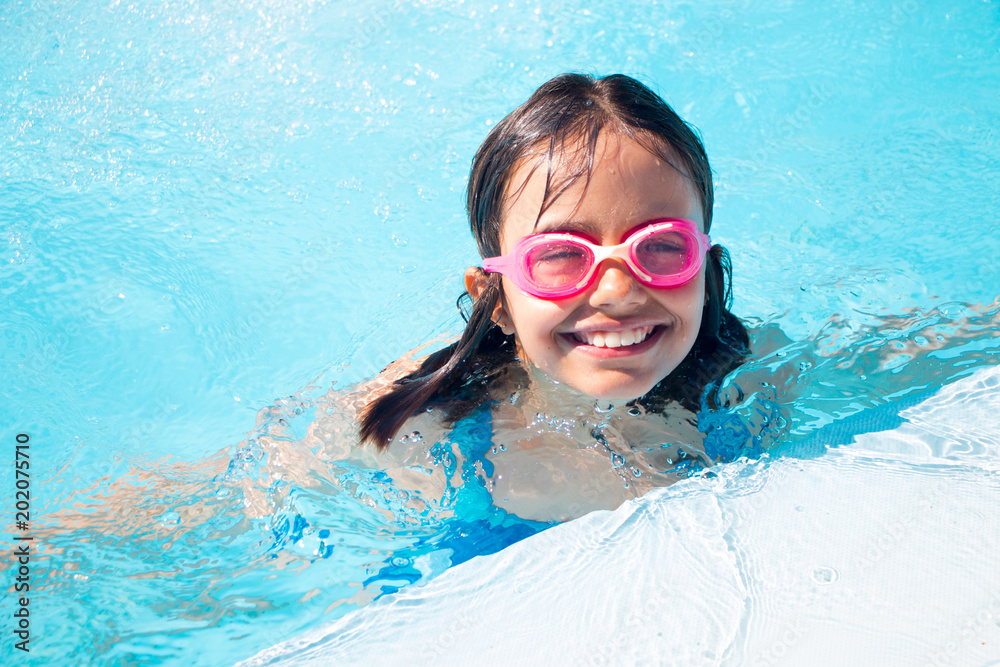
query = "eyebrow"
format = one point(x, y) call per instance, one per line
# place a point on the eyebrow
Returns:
point(587, 227)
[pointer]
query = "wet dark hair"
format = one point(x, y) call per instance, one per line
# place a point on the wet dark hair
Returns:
point(564, 117)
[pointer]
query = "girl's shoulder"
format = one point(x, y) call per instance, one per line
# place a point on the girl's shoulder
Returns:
point(371, 390)
point(380, 385)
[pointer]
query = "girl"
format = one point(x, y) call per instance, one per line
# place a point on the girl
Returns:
point(591, 205)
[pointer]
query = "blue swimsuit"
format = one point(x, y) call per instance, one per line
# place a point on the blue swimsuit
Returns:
point(479, 527)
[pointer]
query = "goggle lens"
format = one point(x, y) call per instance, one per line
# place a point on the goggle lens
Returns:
point(558, 264)
point(664, 253)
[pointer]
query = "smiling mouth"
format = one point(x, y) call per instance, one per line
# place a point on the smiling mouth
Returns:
point(614, 339)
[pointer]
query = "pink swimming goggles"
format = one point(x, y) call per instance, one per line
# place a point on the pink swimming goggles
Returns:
point(555, 265)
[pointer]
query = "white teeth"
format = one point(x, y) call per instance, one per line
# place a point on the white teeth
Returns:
point(614, 338)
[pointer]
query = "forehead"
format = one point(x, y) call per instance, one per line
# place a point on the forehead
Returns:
point(625, 186)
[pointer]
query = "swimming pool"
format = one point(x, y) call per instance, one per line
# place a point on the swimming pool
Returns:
point(193, 193)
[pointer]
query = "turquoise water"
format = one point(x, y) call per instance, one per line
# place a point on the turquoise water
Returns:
point(208, 206)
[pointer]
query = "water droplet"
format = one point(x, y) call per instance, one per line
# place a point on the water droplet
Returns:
point(604, 409)
point(170, 519)
point(634, 411)
point(824, 576)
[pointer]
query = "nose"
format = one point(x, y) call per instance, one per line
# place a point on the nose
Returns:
point(614, 286)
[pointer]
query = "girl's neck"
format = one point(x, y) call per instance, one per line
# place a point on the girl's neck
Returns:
point(531, 400)
point(562, 399)
point(599, 452)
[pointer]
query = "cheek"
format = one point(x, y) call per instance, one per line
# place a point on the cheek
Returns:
point(535, 324)
point(697, 307)
point(687, 301)
point(699, 295)
point(534, 320)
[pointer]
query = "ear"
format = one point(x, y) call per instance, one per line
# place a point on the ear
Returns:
point(475, 282)
point(475, 285)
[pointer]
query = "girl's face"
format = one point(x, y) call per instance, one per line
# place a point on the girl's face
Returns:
point(628, 187)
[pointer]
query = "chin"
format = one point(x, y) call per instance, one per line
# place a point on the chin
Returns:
point(624, 391)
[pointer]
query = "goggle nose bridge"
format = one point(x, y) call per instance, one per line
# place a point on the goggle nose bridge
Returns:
point(623, 252)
